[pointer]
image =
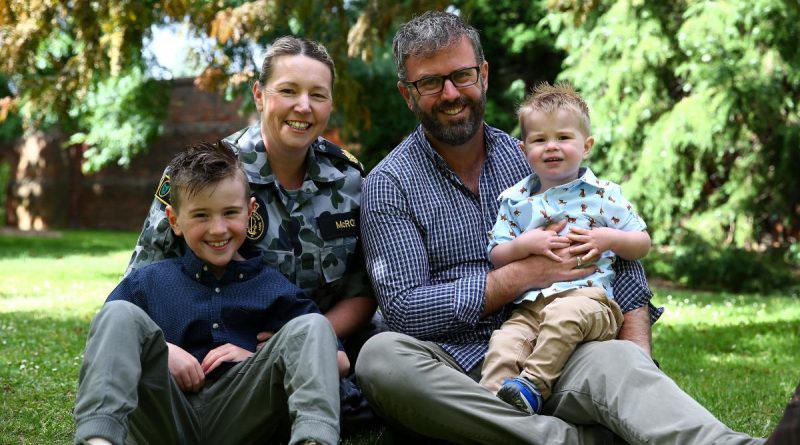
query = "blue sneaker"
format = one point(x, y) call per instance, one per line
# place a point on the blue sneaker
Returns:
point(521, 394)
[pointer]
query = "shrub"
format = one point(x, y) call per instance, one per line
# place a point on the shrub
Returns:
point(698, 264)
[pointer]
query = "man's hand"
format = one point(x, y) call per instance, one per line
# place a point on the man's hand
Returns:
point(504, 284)
point(185, 369)
point(225, 353)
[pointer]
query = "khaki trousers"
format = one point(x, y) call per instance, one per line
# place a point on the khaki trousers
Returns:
point(416, 385)
point(539, 337)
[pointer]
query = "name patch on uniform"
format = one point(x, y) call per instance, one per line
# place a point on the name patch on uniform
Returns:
point(162, 192)
point(257, 225)
point(338, 225)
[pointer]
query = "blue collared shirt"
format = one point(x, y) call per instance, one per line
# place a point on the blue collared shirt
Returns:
point(586, 202)
point(199, 312)
point(425, 240)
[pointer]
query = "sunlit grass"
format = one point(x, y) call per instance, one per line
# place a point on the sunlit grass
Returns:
point(736, 354)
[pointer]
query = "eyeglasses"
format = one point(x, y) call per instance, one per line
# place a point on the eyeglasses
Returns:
point(435, 84)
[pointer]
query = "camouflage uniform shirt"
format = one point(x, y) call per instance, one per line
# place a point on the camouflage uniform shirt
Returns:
point(309, 234)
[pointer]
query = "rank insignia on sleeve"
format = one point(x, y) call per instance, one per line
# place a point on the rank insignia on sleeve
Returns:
point(162, 192)
point(350, 157)
point(257, 225)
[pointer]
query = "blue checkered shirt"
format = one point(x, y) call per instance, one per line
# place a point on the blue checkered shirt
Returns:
point(424, 235)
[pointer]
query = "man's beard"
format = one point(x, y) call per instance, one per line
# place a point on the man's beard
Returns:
point(454, 132)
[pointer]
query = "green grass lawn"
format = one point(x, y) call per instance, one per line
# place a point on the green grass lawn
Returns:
point(736, 354)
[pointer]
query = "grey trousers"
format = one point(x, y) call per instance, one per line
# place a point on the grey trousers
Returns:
point(418, 386)
point(126, 393)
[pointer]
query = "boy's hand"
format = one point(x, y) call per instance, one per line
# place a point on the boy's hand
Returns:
point(591, 243)
point(185, 369)
point(225, 353)
point(543, 242)
point(343, 364)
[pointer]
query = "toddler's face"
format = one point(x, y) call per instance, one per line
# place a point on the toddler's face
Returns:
point(555, 145)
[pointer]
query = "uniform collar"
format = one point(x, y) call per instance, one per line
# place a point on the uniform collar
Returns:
point(236, 271)
point(253, 153)
point(532, 184)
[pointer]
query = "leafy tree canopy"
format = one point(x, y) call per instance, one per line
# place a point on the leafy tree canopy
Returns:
point(695, 107)
point(80, 64)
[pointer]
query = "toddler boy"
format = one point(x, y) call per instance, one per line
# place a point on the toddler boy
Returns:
point(560, 205)
point(171, 357)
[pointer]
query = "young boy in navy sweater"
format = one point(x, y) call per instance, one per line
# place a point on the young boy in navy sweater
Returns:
point(172, 358)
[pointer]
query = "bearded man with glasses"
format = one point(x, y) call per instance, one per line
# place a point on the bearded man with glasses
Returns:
point(426, 210)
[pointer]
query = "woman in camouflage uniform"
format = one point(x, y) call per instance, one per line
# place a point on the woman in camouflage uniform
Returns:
point(307, 189)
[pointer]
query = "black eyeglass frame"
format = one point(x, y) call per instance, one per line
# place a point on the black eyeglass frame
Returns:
point(444, 78)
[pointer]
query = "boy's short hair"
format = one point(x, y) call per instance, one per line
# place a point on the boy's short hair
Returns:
point(548, 98)
point(202, 165)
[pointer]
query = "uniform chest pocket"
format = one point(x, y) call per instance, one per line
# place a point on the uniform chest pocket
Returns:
point(283, 261)
point(333, 259)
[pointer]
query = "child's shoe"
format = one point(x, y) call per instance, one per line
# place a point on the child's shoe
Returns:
point(521, 394)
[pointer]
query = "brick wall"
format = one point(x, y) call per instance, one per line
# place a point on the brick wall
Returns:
point(48, 190)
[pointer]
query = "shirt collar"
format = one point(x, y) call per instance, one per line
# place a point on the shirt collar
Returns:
point(236, 271)
point(531, 185)
point(253, 153)
point(421, 141)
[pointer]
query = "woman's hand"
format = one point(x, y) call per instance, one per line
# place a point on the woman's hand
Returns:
point(343, 363)
point(262, 338)
point(185, 369)
point(225, 353)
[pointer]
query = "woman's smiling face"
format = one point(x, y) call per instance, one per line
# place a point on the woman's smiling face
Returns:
point(295, 103)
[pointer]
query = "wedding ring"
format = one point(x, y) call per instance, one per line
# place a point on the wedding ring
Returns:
point(579, 261)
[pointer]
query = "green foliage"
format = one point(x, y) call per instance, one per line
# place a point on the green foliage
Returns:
point(123, 115)
point(698, 264)
point(520, 53)
point(66, 58)
point(390, 119)
point(695, 107)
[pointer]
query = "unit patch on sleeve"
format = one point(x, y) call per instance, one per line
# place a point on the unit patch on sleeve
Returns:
point(257, 225)
point(337, 225)
point(162, 192)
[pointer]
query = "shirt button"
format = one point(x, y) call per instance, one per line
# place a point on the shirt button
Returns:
point(197, 275)
point(215, 325)
point(216, 289)
point(205, 268)
point(241, 276)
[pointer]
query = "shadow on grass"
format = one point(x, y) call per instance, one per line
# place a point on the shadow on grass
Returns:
point(60, 244)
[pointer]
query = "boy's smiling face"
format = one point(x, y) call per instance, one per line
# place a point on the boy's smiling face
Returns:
point(555, 145)
point(214, 221)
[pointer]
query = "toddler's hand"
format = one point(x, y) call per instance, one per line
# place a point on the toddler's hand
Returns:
point(590, 243)
point(544, 242)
